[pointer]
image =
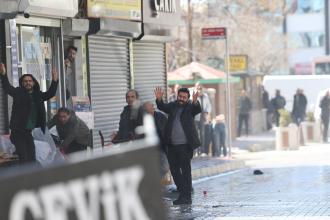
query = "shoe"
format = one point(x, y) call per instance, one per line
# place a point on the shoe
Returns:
point(182, 201)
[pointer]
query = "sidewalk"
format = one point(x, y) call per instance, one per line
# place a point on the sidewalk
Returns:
point(260, 142)
point(209, 166)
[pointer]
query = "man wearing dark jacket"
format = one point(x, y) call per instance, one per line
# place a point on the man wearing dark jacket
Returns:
point(130, 118)
point(28, 111)
point(245, 107)
point(299, 107)
point(72, 131)
point(278, 102)
point(181, 138)
point(325, 114)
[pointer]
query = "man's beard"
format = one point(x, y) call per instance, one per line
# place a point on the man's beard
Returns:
point(181, 103)
point(29, 89)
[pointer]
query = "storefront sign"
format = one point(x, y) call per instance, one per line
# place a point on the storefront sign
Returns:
point(303, 68)
point(127, 10)
point(167, 6)
point(117, 186)
point(238, 63)
point(161, 12)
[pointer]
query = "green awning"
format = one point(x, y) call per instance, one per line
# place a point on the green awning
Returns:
point(204, 81)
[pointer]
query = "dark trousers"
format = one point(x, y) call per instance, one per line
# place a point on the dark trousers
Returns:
point(219, 143)
point(207, 138)
point(243, 118)
point(24, 144)
point(179, 158)
point(325, 121)
point(277, 118)
point(269, 119)
point(201, 132)
point(75, 147)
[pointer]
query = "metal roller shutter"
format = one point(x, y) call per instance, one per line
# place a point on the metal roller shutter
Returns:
point(109, 81)
point(149, 66)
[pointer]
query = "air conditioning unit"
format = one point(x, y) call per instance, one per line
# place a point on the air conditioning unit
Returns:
point(9, 8)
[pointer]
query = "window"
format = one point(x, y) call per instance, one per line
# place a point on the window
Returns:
point(305, 6)
point(306, 40)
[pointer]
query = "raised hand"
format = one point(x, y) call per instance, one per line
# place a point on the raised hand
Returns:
point(159, 93)
point(54, 75)
point(2, 69)
point(195, 96)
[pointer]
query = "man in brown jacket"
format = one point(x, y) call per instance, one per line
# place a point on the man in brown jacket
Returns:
point(73, 132)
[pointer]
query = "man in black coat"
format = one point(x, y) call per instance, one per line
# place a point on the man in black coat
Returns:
point(28, 111)
point(278, 102)
point(181, 138)
point(299, 107)
point(130, 118)
point(325, 114)
point(245, 107)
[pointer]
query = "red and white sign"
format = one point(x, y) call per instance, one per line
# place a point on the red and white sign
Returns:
point(214, 33)
point(303, 69)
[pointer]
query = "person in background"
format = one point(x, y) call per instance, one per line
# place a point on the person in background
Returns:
point(160, 120)
point(70, 74)
point(245, 107)
point(325, 114)
point(219, 136)
point(173, 96)
point(208, 132)
point(299, 107)
point(201, 120)
point(28, 111)
point(267, 105)
point(181, 138)
point(278, 102)
point(130, 118)
point(73, 133)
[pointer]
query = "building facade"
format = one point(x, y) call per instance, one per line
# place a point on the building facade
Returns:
point(119, 47)
point(305, 26)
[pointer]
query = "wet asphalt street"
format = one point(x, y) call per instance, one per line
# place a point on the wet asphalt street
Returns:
point(295, 184)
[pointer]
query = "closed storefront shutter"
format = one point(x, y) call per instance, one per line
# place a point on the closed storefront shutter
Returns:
point(149, 66)
point(109, 81)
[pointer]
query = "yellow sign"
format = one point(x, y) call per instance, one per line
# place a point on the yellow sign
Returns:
point(238, 63)
point(120, 9)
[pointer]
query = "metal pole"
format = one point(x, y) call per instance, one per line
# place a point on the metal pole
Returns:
point(228, 97)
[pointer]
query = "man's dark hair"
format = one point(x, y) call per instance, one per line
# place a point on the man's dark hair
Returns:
point(63, 110)
point(185, 90)
point(133, 90)
point(72, 48)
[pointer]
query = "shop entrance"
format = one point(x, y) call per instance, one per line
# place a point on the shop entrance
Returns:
point(39, 52)
point(75, 73)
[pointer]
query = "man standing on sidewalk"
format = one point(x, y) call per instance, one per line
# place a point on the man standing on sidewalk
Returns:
point(278, 103)
point(299, 107)
point(28, 111)
point(245, 107)
point(325, 114)
point(202, 119)
point(181, 138)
